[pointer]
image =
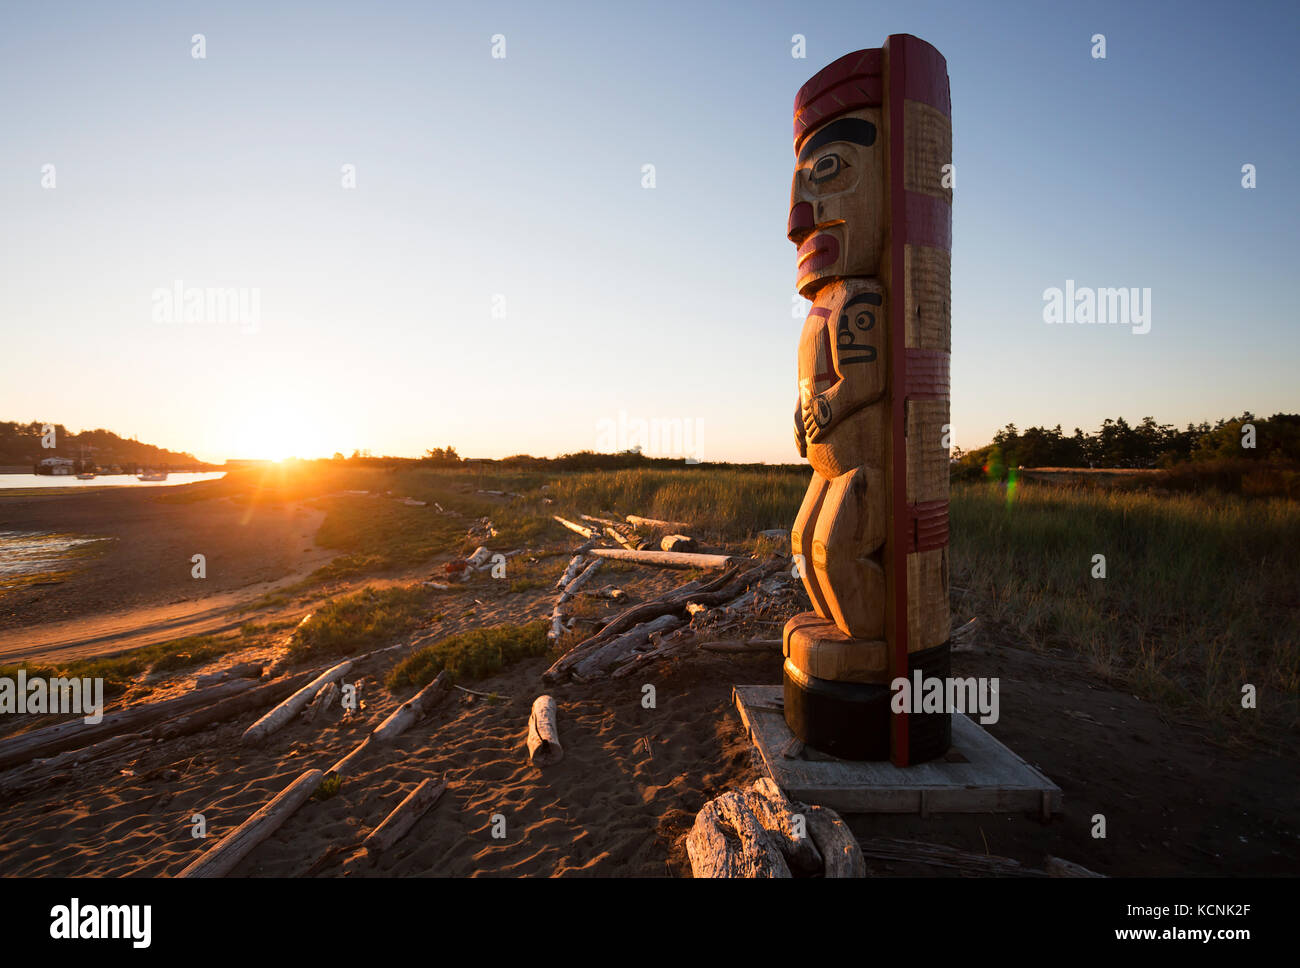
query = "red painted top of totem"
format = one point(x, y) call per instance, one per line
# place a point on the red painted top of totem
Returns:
point(856, 80)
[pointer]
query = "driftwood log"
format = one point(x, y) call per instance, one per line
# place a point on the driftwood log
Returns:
point(327, 696)
point(413, 710)
point(577, 528)
point(619, 537)
point(724, 588)
point(666, 559)
point(566, 595)
point(229, 708)
point(395, 826)
point(728, 840)
point(619, 649)
point(640, 522)
point(759, 832)
point(570, 571)
point(76, 733)
point(403, 817)
point(777, 814)
point(344, 766)
point(835, 842)
point(672, 602)
point(286, 710)
point(221, 858)
point(543, 736)
point(678, 542)
point(42, 771)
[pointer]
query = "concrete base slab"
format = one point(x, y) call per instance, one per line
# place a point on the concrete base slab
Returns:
point(978, 774)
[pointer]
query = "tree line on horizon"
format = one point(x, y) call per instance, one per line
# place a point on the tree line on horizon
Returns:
point(1272, 440)
point(21, 444)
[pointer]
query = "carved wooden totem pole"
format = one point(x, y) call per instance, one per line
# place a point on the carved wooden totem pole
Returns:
point(871, 214)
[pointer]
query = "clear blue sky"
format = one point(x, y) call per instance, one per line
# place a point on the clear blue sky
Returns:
point(522, 176)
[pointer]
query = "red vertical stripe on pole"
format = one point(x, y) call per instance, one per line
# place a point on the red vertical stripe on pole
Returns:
point(895, 59)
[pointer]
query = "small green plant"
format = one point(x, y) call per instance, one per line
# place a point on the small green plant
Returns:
point(329, 787)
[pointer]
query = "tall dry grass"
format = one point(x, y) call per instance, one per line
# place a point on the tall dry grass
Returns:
point(1201, 594)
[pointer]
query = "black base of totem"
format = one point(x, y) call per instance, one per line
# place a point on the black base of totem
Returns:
point(850, 720)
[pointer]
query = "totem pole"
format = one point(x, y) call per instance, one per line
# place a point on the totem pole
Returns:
point(871, 214)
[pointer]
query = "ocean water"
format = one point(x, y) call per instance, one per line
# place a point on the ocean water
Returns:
point(31, 552)
point(8, 481)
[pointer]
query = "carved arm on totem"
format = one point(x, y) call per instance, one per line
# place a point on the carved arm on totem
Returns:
point(856, 356)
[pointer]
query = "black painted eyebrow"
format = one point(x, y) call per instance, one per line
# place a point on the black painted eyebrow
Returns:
point(856, 130)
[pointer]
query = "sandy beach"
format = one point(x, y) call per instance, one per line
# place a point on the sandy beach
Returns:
point(632, 778)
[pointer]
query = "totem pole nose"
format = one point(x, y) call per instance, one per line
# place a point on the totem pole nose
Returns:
point(801, 222)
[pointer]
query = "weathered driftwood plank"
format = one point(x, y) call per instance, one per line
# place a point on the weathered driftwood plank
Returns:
point(666, 559)
point(727, 840)
point(572, 588)
point(570, 570)
point(77, 733)
point(678, 542)
point(411, 711)
point(577, 528)
point(543, 735)
point(841, 855)
point(42, 771)
point(616, 650)
point(286, 710)
point(566, 595)
point(221, 858)
point(677, 642)
point(344, 766)
point(603, 521)
point(636, 519)
point(217, 712)
point(404, 816)
point(619, 537)
point(327, 696)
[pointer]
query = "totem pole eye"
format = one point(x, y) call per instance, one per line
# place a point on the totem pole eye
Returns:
point(826, 168)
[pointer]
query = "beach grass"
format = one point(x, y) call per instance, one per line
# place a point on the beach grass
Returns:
point(1200, 597)
point(359, 622)
point(471, 655)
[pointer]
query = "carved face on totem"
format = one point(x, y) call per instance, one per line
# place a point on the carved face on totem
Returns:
point(837, 201)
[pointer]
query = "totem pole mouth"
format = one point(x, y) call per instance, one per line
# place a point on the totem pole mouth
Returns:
point(817, 253)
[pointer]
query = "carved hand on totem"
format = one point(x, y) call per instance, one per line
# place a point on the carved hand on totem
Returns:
point(818, 415)
point(799, 439)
